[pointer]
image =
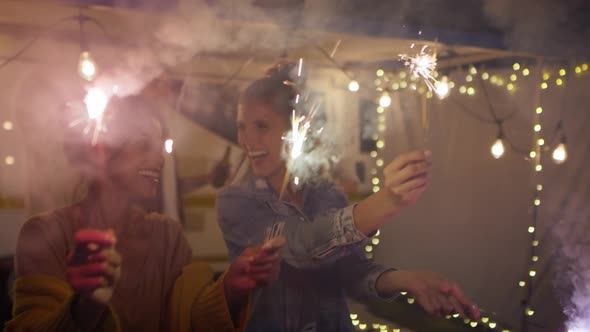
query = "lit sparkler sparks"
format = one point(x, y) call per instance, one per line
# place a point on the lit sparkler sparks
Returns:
point(95, 103)
point(422, 65)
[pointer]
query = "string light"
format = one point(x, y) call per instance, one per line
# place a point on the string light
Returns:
point(353, 86)
point(385, 100)
point(7, 125)
point(497, 148)
point(9, 160)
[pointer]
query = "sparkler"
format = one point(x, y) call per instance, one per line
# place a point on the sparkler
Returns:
point(295, 153)
point(422, 65)
point(95, 103)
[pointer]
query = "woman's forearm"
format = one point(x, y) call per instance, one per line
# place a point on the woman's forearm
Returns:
point(373, 211)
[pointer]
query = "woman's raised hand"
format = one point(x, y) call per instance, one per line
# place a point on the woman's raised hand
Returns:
point(406, 176)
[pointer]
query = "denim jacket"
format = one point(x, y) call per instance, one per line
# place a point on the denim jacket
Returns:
point(322, 261)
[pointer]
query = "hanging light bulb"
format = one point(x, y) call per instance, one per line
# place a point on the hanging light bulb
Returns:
point(498, 146)
point(385, 100)
point(560, 153)
point(442, 88)
point(353, 86)
point(86, 66)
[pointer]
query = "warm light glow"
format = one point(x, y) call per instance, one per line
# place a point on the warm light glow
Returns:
point(485, 76)
point(86, 66)
point(578, 69)
point(296, 180)
point(169, 145)
point(380, 109)
point(485, 319)
point(9, 160)
point(368, 248)
point(532, 154)
point(537, 202)
point(473, 70)
point(535, 243)
point(559, 81)
point(380, 144)
point(539, 110)
point(535, 258)
point(473, 324)
point(513, 77)
point(462, 89)
point(546, 76)
point(385, 100)
point(526, 72)
point(497, 148)
point(468, 78)
point(353, 86)
point(521, 283)
point(379, 162)
point(510, 86)
point(584, 66)
point(442, 88)
point(539, 187)
point(353, 316)
point(7, 125)
point(541, 141)
point(410, 300)
point(470, 91)
point(530, 312)
point(375, 181)
point(562, 72)
point(373, 153)
point(375, 241)
point(403, 84)
point(516, 66)
point(96, 102)
point(537, 127)
point(380, 72)
point(544, 85)
point(531, 229)
point(532, 273)
point(362, 326)
point(395, 86)
point(559, 154)
point(355, 322)
point(376, 189)
point(492, 325)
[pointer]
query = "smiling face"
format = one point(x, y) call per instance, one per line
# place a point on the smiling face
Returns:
point(260, 132)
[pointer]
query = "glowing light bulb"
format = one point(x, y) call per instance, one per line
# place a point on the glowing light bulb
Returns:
point(539, 110)
point(535, 243)
point(7, 125)
point(537, 202)
point(380, 144)
point(353, 316)
point(442, 88)
point(373, 154)
point(526, 72)
point(532, 154)
point(468, 78)
point(485, 76)
point(473, 70)
point(559, 81)
point(473, 324)
point(353, 86)
point(516, 66)
point(96, 102)
point(578, 69)
point(544, 85)
point(379, 162)
point(296, 180)
point(410, 300)
point(86, 66)
point(541, 141)
point(375, 181)
point(168, 145)
point(380, 72)
point(485, 319)
point(537, 127)
point(513, 77)
point(559, 154)
point(385, 100)
point(510, 87)
point(562, 72)
point(535, 258)
point(538, 167)
point(368, 248)
point(470, 91)
point(462, 89)
point(521, 283)
point(497, 148)
point(492, 325)
point(532, 273)
point(9, 160)
point(539, 187)
point(530, 312)
point(375, 241)
point(531, 229)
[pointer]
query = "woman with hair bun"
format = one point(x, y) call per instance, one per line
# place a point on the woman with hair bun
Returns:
point(105, 264)
point(323, 258)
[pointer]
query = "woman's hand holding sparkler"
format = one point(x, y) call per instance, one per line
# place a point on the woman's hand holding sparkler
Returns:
point(93, 271)
point(405, 180)
point(256, 267)
point(438, 295)
point(406, 177)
